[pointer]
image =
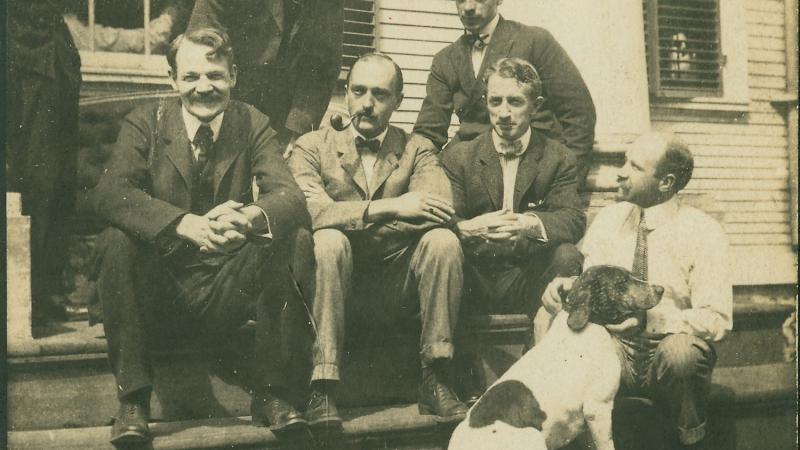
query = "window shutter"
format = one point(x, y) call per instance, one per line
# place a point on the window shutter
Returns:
point(683, 48)
point(359, 32)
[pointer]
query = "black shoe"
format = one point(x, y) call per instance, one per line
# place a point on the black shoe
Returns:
point(130, 425)
point(321, 412)
point(437, 398)
point(276, 413)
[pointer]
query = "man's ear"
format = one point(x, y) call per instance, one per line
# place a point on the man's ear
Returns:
point(234, 71)
point(172, 79)
point(538, 102)
point(667, 183)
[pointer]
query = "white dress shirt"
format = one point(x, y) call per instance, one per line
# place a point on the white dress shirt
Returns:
point(510, 166)
point(478, 53)
point(368, 160)
point(687, 254)
point(192, 124)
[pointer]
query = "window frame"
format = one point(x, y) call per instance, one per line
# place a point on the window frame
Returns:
point(734, 95)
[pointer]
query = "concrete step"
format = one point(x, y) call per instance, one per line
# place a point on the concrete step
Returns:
point(63, 380)
point(752, 407)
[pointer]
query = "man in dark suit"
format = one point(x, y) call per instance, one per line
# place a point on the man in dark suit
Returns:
point(44, 78)
point(188, 242)
point(518, 213)
point(289, 54)
point(383, 258)
point(455, 82)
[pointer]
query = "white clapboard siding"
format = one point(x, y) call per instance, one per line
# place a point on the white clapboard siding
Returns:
point(741, 159)
point(412, 32)
point(744, 163)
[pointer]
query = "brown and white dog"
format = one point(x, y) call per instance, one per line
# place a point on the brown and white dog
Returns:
point(567, 381)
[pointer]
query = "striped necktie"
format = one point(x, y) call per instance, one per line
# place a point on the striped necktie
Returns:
point(640, 254)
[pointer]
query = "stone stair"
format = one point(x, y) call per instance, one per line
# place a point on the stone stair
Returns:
point(61, 392)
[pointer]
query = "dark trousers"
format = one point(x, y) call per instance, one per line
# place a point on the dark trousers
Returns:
point(369, 291)
point(515, 285)
point(675, 371)
point(144, 294)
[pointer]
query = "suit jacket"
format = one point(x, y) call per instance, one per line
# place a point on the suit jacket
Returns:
point(147, 183)
point(301, 75)
point(452, 86)
point(546, 185)
point(327, 160)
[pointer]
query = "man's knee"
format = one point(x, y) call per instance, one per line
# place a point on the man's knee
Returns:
point(567, 260)
point(683, 356)
point(332, 247)
point(114, 246)
point(441, 243)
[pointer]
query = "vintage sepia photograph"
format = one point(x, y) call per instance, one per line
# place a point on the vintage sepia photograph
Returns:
point(401, 224)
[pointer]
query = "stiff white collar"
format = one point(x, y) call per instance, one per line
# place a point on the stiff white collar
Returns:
point(499, 142)
point(379, 137)
point(192, 123)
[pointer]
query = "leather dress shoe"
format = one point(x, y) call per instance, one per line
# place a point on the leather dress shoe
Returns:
point(437, 398)
point(276, 413)
point(322, 413)
point(130, 424)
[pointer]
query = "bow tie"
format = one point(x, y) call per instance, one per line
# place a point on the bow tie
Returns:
point(510, 149)
point(476, 40)
point(367, 145)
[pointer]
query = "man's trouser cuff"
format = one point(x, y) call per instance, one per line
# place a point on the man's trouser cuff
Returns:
point(437, 350)
point(325, 371)
point(692, 435)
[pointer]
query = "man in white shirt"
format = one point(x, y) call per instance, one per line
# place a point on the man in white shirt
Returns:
point(385, 258)
point(668, 356)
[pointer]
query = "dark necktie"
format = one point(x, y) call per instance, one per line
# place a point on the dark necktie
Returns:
point(510, 150)
point(367, 145)
point(204, 143)
point(476, 40)
point(640, 254)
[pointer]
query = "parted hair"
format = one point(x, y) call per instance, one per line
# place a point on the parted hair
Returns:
point(518, 69)
point(398, 74)
point(216, 39)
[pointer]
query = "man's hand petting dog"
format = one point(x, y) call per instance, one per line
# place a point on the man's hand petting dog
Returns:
point(555, 292)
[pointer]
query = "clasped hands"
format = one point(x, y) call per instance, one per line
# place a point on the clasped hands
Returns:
point(222, 230)
point(502, 227)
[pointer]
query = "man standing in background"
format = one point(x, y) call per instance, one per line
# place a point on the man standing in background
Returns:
point(44, 77)
point(289, 54)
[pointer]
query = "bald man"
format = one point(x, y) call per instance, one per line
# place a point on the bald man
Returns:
point(666, 355)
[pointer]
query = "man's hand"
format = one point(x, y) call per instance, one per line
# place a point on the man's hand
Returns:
point(555, 293)
point(230, 213)
point(200, 231)
point(316, 194)
point(514, 227)
point(411, 206)
point(484, 225)
point(626, 328)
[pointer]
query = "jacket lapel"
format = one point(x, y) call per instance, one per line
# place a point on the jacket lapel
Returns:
point(491, 172)
point(528, 167)
point(228, 144)
point(172, 133)
point(350, 160)
point(499, 46)
point(386, 161)
point(463, 64)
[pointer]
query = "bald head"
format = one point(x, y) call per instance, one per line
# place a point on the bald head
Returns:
point(672, 156)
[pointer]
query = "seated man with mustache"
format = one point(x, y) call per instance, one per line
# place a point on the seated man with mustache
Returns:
point(384, 256)
point(187, 241)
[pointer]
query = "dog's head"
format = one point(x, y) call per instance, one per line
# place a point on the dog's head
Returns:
point(506, 416)
point(608, 295)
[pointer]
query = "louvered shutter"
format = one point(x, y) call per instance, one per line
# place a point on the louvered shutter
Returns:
point(359, 32)
point(683, 48)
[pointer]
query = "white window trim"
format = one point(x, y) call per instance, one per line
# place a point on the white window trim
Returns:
point(110, 67)
point(733, 46)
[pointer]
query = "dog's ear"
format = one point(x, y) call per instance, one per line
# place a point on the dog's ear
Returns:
point(579, 317)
